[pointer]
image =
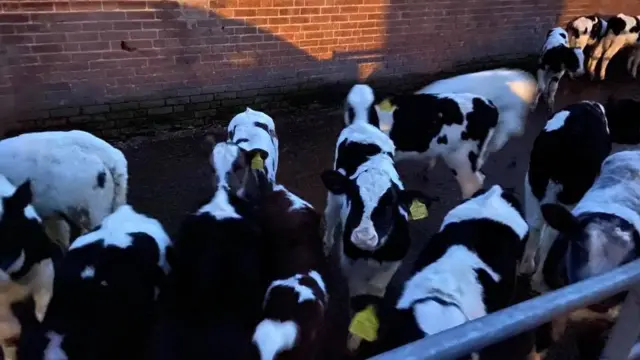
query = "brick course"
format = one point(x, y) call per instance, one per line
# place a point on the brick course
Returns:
point(112, 66)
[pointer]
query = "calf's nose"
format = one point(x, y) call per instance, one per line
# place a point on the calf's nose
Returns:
point(365, 238)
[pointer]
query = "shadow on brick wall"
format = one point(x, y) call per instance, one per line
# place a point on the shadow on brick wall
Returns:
point(185, 66)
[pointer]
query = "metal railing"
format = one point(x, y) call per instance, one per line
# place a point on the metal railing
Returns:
point(475, 335)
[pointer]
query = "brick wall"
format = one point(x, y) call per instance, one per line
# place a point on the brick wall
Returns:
point(115, 66)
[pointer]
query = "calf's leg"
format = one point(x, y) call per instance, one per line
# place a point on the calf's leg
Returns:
point(331, 218)
point(618, 43)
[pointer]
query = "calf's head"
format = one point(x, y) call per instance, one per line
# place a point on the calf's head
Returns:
point(23, 241)
point(585, 30)
point(233, 166)
point(374, 202)
point(595, 242)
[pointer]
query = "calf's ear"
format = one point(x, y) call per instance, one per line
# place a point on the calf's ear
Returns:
point(559, 218)
point(336, 182)
point(22, 197)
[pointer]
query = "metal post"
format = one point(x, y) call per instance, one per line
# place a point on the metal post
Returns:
point(626, 330)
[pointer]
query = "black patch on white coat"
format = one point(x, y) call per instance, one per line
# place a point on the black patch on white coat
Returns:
point(442, 140)
point(21, 234)
point(241, 141)
point(571, 155)
point(262, 126)
point(352, 154)
point(420, 117)
point(101, 179)
point(119, 296)
point(559, 58)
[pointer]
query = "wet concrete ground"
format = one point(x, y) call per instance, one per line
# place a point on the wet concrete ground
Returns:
point(168, 178)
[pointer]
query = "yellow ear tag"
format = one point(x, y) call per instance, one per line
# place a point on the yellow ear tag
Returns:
point(365, 324)
point(418, 210)
point(257, 163)
point(386, 106)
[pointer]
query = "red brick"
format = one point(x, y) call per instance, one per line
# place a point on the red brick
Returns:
point(143, 34)
point(83, 36)
point(13, 18)
point(85, 5)
point(49, 38)
point(54, 58)
point(16, 39)
point(46, 48)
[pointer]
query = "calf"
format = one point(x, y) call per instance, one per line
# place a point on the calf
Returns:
point(622, 30)
point(512, 91)
point(564, 162)
point(602, 230)
point(213, 298)
point(74, 176)
point(26, 258)
point(586, 31)
point(296, 300)
point(107, 282)
point(368, 199)
point(458, 127)
point(256, 130)
point(465, 271)
point(556, 59)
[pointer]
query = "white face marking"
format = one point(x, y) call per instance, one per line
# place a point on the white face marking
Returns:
point(18, 264)
point(88, 272)
point(297, 203)
point(219, 207)
point(489, 205)
point(557, 121)
point(360, 98)
point(115, 230)
point(222, 158)
point(272, 337)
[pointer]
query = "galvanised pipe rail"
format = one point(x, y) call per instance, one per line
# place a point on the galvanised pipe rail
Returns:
point(475, 335)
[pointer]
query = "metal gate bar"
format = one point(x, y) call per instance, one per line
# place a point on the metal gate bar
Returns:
point(475, 335)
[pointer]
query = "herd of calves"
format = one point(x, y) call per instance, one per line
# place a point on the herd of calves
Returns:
point(85, 276)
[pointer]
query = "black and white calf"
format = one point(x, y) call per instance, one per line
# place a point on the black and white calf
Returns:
point(602, 230)
point(556, 58)
point(622, 30)
point(27, 255)
point(357, 143)
point(511, 91)
point(255, 130)
point(108, 282)
point(465, 271)
point(213, 297)
point(296, 299)
point(563, 164)
point(458, 127)
point(368, 200)
point(74, 176)
point(586, 31)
